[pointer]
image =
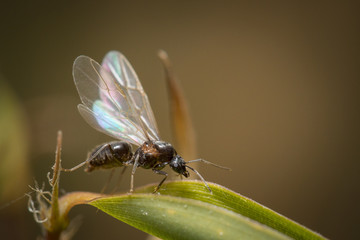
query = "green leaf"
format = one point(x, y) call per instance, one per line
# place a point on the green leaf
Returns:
point(180, 218)
point(187, 210)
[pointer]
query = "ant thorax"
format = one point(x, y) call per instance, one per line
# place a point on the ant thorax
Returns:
point(152, 153)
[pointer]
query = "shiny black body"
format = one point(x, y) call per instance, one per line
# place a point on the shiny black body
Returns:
point(109, 155)
point(153, 155)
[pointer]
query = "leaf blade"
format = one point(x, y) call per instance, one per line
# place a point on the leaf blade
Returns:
point(170, 217)
point(225, 198)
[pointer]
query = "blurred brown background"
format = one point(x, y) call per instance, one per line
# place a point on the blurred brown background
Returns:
point(273, 90)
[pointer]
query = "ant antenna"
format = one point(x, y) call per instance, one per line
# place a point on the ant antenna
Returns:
point(207, 162)
point(210, 163)
point(202, 179)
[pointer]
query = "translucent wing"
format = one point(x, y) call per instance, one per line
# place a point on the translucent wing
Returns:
point(113, 100)
point(122, 71)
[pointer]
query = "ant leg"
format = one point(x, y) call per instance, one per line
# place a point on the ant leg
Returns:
point(162, 181)
point(133, 173)
point(202, 179)
point(75, 168)
point(210, 163)
point(119, 179)
point(108, 181)
point(86, 161)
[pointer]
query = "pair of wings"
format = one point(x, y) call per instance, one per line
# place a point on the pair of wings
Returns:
point(113, 99)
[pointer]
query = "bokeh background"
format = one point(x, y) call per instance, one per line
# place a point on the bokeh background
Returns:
point(273, 89)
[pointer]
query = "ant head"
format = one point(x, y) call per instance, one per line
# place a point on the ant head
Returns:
point(178, 165)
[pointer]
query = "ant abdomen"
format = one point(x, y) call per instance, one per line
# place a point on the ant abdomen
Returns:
point(109, 155)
